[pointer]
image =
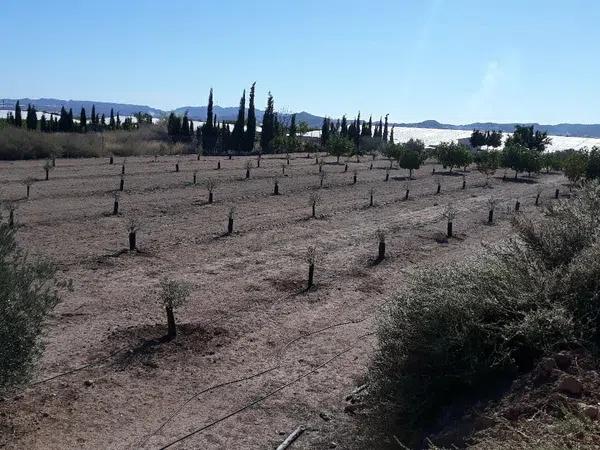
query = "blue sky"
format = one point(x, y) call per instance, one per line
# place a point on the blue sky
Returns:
point(456, 61)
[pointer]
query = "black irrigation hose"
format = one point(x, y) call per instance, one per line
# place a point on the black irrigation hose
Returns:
point(280, 352)
point(197, 394)
point(264, 397)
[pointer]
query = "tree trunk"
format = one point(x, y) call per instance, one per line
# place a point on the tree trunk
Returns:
point(47, 174)
point(381, 255)
point(28, 191)
point(198, 157)
point(449, 233)
point(354, 179)
point(537, 200)
point(371, 166)
point(517, 206)
point(116, 208)
point(371, 200)
point(11, 219)
point(516, 174)
point(219, 165)
point(464, 184)
point(53, 161)
point(288, 161)
point(230, 226)
point(247, 173)
point(210, 197)
point(410, 172)
point(121, 184)
point(314, 210)
point(406, 195)
point(433, 171)
point(338, 159)
point(123, 169)
point(111, 161)
point(311, 273)
point(491, 216)
point(346, 168)
point(320, 168)
point(556, 193)
point(172, 329)
point(387, 176)
point(283, 170)
point(177, 167)
point(132, 244)
point(276, 189)
point(439, 188)
point(194, 178)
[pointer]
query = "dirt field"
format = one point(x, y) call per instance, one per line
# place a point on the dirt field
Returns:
point(248, 316)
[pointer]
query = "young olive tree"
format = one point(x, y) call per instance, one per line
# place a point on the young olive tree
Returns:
point(492, 202)
point(249, 166)
point(211, 185)
point(230, 217)
point(314, 200)
point(449, 214)
point(28, 182)
point(132, 229)
point(381, 246)
point(47, 168)
point(115, 203)
point(311, 256)
point(172, 295)
point(275, 186)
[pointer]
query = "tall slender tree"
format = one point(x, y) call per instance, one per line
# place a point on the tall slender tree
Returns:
point(268, 125)
point(250, 135)
point(31, 118)
point(237, 137)
point(209, 132)
point(83, 120)
point(293, 129)
point(18, 118)
point(111, 123)
point(94, 118)
point(385, 129)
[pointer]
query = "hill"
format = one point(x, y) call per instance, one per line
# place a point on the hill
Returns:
point(314, 121)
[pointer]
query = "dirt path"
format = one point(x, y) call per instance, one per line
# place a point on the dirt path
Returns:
point(248, 315)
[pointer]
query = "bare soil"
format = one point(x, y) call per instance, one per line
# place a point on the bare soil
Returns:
point(256, 355)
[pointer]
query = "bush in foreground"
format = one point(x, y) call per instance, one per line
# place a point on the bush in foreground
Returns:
point(458, 332)
point(27, 296)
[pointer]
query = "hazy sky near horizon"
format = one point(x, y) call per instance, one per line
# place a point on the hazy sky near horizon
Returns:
point(455, 61)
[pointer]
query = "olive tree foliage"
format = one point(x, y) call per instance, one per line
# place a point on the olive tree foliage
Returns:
point(454, 331)
point(487, 163)
point(452, 155)
point(575, 166)
point(339, 146)
point(27, 296)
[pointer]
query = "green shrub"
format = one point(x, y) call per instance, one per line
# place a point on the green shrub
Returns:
point(27, 296)
point(457, 331)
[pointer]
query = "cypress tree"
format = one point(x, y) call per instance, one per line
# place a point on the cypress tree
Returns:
point(83, 120)
point(111, 122)
point(344, 127)
point(70, 123)
point(94, 118)
point(251, 127)
point(237, 137)
point(385, 129)
point(43, 125)
point(392, 135)
point(293, 127)
point(31, 118)
point(268, 126)
point(118, 121)
point(184, 132)
point(18, 118)
point(209, 138)
point(325, 129)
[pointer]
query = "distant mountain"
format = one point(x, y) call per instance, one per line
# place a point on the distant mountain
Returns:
point(53, 105)
point(230, 114)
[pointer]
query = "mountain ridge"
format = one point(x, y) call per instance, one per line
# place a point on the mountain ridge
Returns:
point(229, 113)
